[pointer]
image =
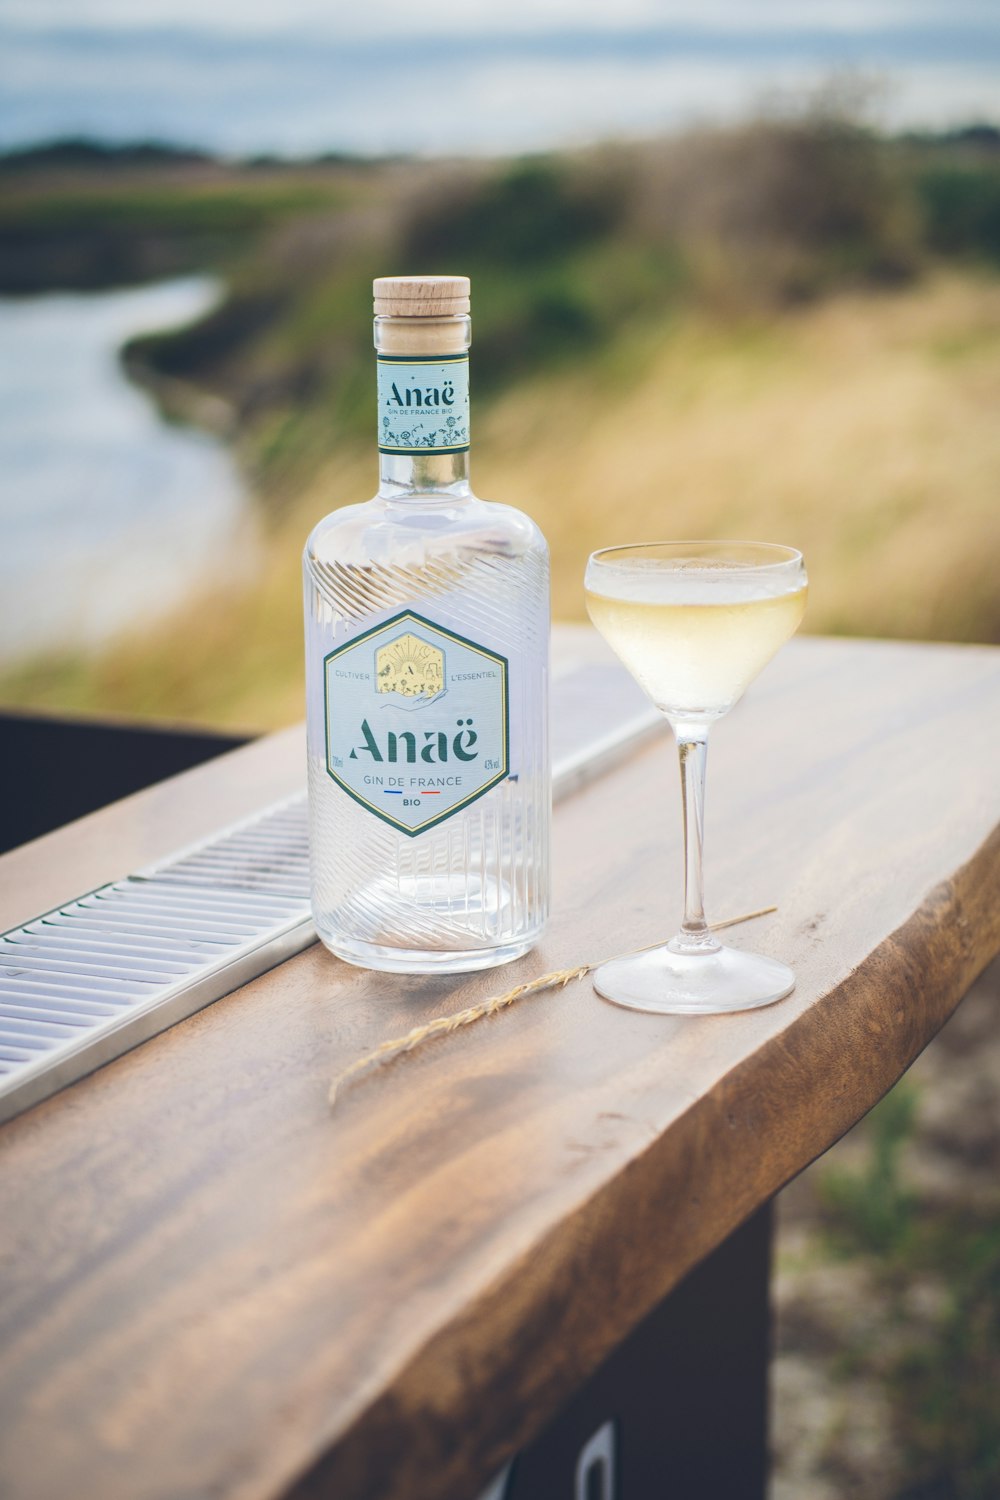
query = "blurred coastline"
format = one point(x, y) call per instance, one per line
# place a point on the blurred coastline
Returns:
point(788, 328)
point(112, 515)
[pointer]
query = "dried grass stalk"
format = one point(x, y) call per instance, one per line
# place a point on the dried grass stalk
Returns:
point(442, 1025)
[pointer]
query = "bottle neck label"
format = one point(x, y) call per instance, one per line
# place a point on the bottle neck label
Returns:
point(417, 721)
point(423, 403)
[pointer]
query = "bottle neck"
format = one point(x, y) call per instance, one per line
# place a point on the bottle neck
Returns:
point(423, 407)
point(404, 476)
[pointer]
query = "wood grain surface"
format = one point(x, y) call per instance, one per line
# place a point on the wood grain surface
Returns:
point(211, 1285)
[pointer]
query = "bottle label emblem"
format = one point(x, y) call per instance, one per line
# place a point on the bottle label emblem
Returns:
point(417, 721)
point(423, 404)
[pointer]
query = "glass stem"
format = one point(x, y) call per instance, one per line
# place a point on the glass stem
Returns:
point(692, 749)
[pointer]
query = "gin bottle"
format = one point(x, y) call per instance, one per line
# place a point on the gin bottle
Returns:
point(427, 630)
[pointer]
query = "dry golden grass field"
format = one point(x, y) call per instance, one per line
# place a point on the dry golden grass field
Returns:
point(862, 429)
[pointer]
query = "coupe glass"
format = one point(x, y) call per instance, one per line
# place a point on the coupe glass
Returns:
point(694, 622)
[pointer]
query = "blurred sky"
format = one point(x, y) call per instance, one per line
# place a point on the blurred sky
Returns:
point(443, 76)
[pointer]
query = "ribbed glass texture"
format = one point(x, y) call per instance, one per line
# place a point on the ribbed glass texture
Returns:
point(472, 891)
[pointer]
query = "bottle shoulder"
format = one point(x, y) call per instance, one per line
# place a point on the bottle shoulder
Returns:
point(378, 530)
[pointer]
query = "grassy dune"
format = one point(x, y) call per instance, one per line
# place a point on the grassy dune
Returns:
point(861, 428)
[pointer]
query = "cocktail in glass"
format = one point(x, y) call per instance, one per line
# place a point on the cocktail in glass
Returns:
point(694, 622)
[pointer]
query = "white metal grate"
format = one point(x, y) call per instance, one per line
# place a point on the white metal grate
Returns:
point(82, 984)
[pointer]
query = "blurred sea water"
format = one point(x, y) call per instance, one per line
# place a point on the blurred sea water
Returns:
point(109, 516)
point(301, 79)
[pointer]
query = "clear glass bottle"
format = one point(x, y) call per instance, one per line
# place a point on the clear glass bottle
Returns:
point(427, 639)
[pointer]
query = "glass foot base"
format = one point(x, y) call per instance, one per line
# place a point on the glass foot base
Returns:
point(701, 984)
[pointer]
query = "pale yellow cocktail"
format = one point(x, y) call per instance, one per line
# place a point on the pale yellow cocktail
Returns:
point(695, 622)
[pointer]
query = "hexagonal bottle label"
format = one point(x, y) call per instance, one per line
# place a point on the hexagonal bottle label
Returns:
point(417, 721)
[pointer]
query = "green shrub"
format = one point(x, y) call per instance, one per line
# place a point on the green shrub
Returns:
point(536, 211)
point(869, 1208)
point(961, 208)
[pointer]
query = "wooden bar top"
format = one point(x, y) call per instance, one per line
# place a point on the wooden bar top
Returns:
point(212, 1285)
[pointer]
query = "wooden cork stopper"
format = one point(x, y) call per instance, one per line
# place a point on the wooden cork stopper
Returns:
point(421, 296)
